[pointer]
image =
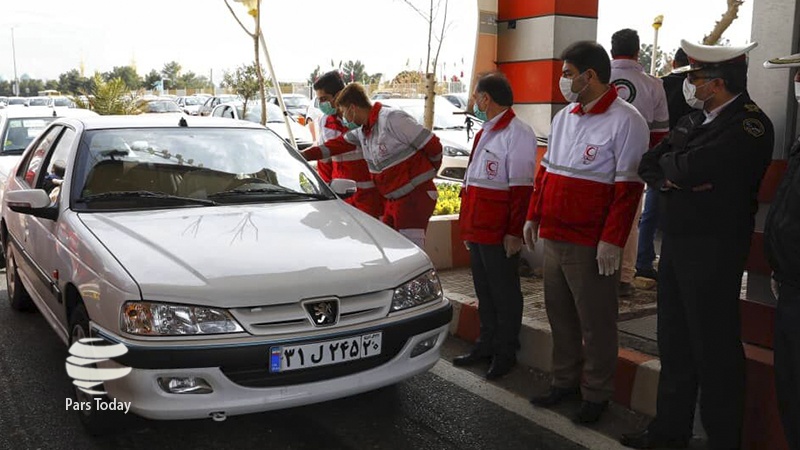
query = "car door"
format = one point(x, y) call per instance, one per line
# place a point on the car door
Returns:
point(43, 245)
point(24, 229)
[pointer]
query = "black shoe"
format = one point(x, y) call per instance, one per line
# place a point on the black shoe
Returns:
point(650, 273)
point(626, 290)
point(470, 359)
point(646, 439)
point(590, 412)
point(556, 395)
point(501, 365)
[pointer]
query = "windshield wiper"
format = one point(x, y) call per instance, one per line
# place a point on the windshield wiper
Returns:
point(144, 194)
point(280, 190)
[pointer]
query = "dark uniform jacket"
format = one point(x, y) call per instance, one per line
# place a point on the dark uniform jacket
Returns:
point(676, 103)
point(782, 231)
point(718, 167)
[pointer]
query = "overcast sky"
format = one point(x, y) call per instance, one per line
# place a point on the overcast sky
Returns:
point(53, 36)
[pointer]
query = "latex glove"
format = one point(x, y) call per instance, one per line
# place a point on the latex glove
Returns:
point(530, 233)
point(776, 287)
point(466, 245)
point(608, 258)
point(512, 244)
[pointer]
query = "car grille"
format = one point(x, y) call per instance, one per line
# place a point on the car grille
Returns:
point(293, 318)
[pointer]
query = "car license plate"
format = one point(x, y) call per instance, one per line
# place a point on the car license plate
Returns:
point(294, 357)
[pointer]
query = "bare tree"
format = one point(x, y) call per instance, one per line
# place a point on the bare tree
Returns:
point(727, 18)
point(431, 15)
point(259, 72)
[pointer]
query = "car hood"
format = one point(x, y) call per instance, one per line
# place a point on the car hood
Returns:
point(457, 138)
point(251, 255)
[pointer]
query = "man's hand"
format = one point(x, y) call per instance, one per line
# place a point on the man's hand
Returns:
point(608, 258)
point(530, 233)
point(776, 287)
point(466, 245)
point(512, 245)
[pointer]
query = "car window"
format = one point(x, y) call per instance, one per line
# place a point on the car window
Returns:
point(228, 113)
point(29, 170)
point(56, 163)
point(21, 132)
point(217, 112)
point(253, 114)
point(227, 165)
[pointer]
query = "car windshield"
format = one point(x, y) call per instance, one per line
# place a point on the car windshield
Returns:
point(165, 106)
point(16, 101)
point(20, 132)
point(254, 113)
point(295, 102)
point(191, 101)
point(39, 101)
point(147, 168)
point(62, 101)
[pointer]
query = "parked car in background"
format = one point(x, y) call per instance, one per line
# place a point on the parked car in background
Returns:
point(63, 102)
point(296, 104)
point(458, 100)
point(40, 101)
point(302, 135)
point(235, 279)
point(159, 106)
point(191, 104)
point(211, 102)
point(3, 101)
point(16, 101)
point(449, 125)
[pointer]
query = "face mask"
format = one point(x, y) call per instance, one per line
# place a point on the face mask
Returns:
point(327, 109)
point(797, 90)
point(480, 115)
point(689, 92)
point(565, 84)
point(348, 124)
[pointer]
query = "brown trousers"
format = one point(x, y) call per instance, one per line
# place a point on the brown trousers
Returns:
point(582, 308)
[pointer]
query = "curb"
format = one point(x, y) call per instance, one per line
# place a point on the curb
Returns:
point(636, 379)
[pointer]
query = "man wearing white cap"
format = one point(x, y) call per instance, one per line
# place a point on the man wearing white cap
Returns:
point(782, 245)
point(708, 170)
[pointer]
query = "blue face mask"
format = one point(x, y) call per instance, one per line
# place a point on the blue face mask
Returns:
point(480, 115)
point(327, 109)
point(348, 124)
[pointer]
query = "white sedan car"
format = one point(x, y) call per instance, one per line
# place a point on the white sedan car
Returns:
point(275, 122)
point(198, 268)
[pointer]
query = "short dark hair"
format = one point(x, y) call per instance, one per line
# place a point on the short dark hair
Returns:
point(680, 58)
point(587, 55)
point(331, 82)
point(624, 42)
point(496, 85)
point(353, 94)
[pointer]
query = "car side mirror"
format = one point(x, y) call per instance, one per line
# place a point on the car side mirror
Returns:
point(34, 202)
point(344, 188)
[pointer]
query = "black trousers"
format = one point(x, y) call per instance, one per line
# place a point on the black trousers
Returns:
point(787, 362)
point(699, 337)
point(497, 285)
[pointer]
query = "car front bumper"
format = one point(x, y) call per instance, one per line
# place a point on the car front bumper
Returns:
point(242, 383)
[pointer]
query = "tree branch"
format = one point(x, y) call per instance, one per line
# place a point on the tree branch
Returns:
point(723, 24)
point(441, 36)
point(418, 11)
point(239, 21)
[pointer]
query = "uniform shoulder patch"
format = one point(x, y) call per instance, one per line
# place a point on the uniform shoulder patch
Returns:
point(753, 127)
point(752, 107)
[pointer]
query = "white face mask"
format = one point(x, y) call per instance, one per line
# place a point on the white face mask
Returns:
point(797, 90)
point(565, 84)
point(689, 92)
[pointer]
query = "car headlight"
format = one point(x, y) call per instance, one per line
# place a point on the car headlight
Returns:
point(423, 289)
point(162, 319)
point(454, 151)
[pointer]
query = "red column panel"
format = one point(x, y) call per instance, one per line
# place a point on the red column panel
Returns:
point(519, 9)
point(534, 81)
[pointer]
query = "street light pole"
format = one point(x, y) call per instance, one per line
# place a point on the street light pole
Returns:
point(14, 55)
point(656, 25)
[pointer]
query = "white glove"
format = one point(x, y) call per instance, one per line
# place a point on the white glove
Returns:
point(530, 233)
point(512, 244)
point(776, 287)
point(608, 258)
point(466, 245)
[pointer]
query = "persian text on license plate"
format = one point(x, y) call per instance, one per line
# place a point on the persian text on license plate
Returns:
point(294, 357)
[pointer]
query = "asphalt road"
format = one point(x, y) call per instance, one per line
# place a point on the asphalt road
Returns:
point(425, 412)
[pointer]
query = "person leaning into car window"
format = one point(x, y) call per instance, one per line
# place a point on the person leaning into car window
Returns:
point(402, 156)
point(497, 189)
point(350, 165)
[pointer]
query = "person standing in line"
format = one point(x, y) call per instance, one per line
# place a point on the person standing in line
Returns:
point(646, 94)
point(403, 158)
point(708, 171)
point(782, 246)
point(497, 189)
point(350, 165)
point(585, 196)
point(648, 223)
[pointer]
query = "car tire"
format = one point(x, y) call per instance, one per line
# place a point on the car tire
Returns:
point(96, 423)
point(17, 294)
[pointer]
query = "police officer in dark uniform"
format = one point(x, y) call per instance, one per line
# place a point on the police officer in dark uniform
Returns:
point(782, 246)
point(708, 170)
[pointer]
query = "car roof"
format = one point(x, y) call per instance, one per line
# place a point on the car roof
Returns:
point(156, 121)
point(29, 112)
